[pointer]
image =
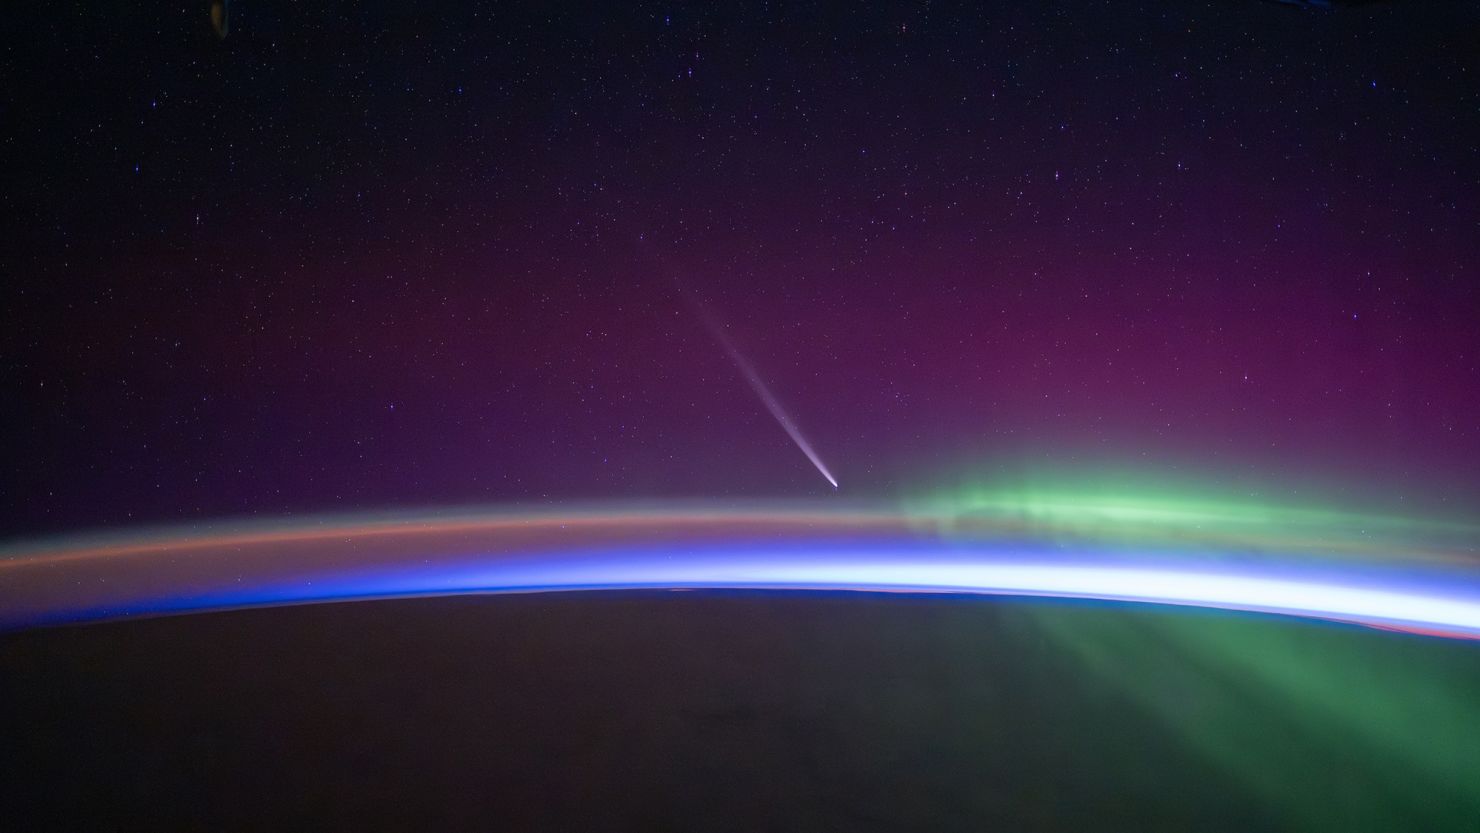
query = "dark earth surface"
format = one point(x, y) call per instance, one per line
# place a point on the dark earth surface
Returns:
point(731, 712)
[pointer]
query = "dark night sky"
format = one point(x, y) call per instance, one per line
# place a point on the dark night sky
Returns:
point(360, 257)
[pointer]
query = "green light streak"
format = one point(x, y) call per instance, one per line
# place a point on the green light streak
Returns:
point(1143, 508)
point(1340, 729)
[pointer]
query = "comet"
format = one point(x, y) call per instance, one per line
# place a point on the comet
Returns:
point(757, 384)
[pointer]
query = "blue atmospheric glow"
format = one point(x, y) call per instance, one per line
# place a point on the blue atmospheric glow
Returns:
point(1345, 595)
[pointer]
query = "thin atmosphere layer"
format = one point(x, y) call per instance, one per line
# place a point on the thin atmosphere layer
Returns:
point(1388, 584)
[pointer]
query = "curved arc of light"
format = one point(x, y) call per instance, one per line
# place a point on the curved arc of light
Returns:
point(1447, 607)
point(1320, 596)
point(258, 533)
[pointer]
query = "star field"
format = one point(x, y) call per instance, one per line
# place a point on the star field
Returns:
point(356, 258)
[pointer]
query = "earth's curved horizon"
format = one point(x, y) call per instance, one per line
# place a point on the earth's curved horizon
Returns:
point(1171, 556)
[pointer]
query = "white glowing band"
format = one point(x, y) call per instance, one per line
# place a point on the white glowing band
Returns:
point(1309, 597)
